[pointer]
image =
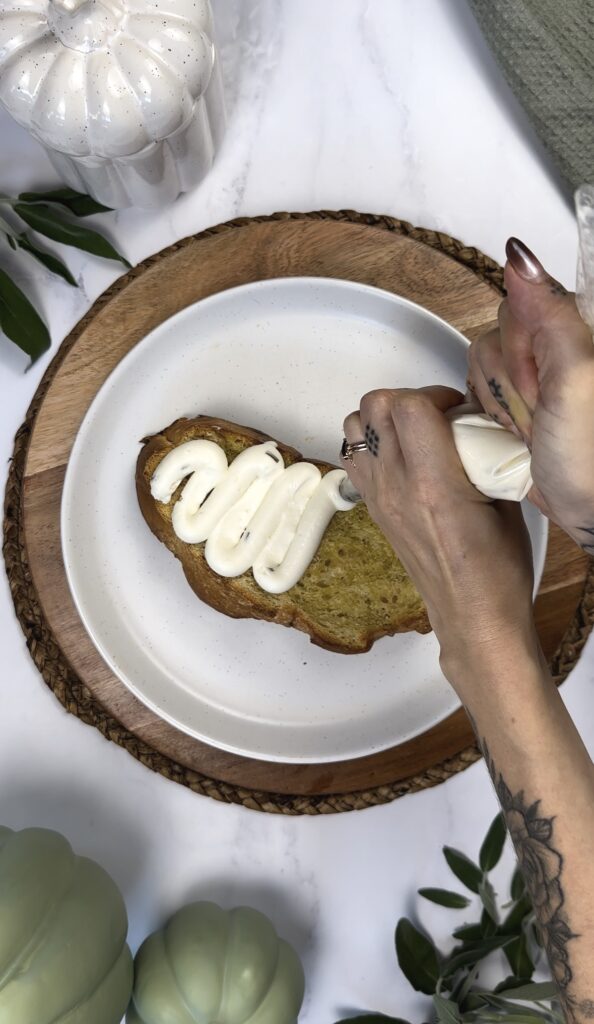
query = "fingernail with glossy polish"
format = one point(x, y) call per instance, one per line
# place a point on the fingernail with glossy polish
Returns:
point(524, 261)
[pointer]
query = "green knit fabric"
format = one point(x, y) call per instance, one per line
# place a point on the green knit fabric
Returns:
point(545, 49)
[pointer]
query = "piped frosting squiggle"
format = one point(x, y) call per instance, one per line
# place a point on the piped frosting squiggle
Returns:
point(253, 513)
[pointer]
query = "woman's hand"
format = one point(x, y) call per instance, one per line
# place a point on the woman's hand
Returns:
point(469, 557)
point(535, 374)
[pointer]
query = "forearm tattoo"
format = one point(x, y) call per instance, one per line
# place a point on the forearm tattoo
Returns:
point(542, 867)
point(372, 439)
point(587, 543)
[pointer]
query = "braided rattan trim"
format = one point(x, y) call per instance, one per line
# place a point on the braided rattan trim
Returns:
point(69, 689)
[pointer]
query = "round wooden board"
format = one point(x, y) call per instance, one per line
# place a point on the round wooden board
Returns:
point(374, 250)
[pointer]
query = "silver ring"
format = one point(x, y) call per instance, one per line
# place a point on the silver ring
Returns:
point(348, 450)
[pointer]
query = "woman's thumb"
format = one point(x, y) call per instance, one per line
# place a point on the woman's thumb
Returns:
point(542, 308)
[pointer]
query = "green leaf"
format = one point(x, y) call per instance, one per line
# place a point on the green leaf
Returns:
point(518, 885)
point(445, 898)
point(463, 958)
point(487, 895)
point(369, 1018)
point(525, 1017)
point(512, 981)
point(469, 932)
point(493, 844)
point(51, 223)
point(510, 1007)
point(473, 1001)
point(417, 957)
point(470, 954)
point(512, 924)
point(488, 925)
point(533, 991)
point(518, 957)
point(447, 1011)
point(47, 259)
point(467, 979)
point(464, 869)
point(20, 321)
point(536, 935)
point(77, 202)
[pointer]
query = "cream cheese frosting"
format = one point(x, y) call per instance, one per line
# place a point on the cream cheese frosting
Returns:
point(254, 513)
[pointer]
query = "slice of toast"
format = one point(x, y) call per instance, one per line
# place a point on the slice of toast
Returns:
point(355, 589)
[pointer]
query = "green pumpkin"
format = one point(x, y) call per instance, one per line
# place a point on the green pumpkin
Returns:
point(211, 966)
point(63, 925)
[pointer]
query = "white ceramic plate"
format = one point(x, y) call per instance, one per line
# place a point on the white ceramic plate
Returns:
point(291, 357)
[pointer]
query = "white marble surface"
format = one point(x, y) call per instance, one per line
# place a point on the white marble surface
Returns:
point(382, 105)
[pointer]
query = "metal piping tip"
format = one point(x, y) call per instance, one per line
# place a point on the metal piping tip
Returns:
point(348, 492)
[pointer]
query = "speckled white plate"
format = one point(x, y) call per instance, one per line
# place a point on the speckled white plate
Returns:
point(290, 357)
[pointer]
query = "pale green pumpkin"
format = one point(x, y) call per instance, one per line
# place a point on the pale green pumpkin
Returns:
point(211, 966)
point(63, 925)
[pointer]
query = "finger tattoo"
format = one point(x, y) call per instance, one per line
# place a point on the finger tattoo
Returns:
point(497, 391)
point(372, 439)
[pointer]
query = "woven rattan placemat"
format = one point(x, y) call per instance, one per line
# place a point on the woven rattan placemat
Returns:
point(74, 695)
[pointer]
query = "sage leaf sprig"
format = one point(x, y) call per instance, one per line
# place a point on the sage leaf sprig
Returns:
point(20, 321)
point(78, 203)
point(375, 1018)
point(49, 214)
point(452, 979)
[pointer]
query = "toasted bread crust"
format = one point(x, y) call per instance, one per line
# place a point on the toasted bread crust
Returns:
point(303, 607)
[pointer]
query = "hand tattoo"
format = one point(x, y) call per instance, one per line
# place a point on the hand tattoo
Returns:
point(556, 288)
point(497, 392)
point(371, 439)
point(542, 867)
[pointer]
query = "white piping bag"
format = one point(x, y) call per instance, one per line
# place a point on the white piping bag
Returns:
point(584, 290)
point(495, 460)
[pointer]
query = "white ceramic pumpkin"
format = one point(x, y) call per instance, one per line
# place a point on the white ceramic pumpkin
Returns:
point(211, 966)
point(63, 924)
point(124, 94)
